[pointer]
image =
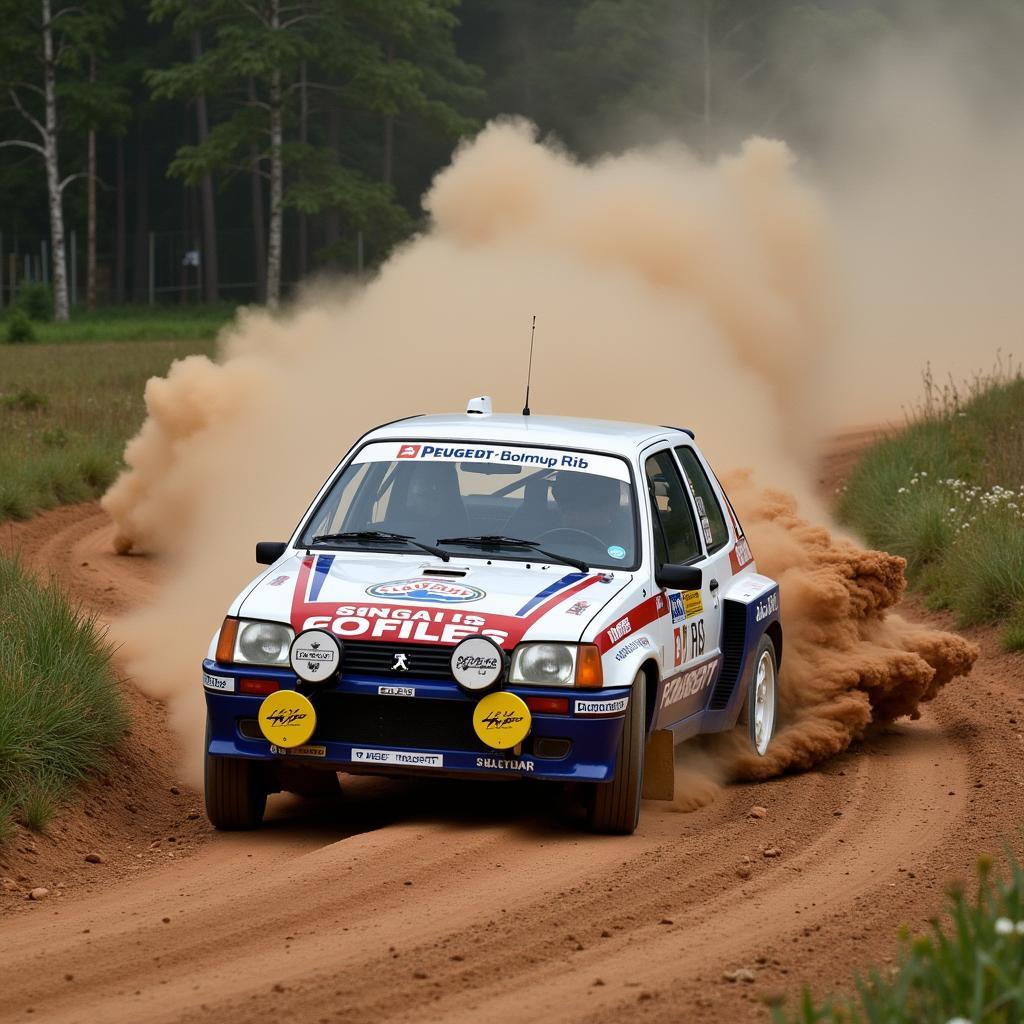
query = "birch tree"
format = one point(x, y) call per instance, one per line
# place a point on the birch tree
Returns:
point(252, 61)
point(42, 45)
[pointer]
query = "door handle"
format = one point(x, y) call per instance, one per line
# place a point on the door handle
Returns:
point(713, 585)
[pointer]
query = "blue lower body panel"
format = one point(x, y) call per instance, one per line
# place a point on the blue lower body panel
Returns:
point(375, 724)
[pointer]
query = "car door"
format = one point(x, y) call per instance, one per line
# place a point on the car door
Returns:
point(690, 633)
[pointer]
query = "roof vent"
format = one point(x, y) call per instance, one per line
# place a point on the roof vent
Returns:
point(479, 406)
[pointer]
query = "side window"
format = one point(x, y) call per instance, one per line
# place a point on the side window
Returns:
point(674, 530)
point(712, 521)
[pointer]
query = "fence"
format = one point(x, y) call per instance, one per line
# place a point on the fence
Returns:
point(160, 267)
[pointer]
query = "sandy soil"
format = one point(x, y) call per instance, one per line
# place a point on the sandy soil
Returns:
point(421, 902)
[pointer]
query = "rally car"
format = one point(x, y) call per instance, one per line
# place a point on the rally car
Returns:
point(496, 596)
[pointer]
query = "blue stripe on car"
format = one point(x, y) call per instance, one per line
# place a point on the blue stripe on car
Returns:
point(323, 567)
point(565, 581)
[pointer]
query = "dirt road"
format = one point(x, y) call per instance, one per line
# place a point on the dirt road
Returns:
point(423, 902)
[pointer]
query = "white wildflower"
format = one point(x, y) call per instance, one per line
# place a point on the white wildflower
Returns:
point(1004, 926)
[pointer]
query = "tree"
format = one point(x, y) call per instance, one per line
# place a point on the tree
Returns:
point(42, 49)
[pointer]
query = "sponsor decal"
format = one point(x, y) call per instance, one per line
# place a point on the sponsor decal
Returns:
point(767, 606)
point(578, 608)
point(593, 708)
point(689, 683)
point(740, 555)
point(631, 647)
point(396, 691)
point(306, 750)
point(410, 758)
point(700, 505)
point(430, 591)
point(477, 663)
point(221, 683)
point(408, 623)
point(679, 646)
point(705, 525)
point(390, 622)
point(616, 551)
point(496, 454)
point(692, 603)
point(696, 639)
point(678, 609)
point(507, 765)
point(287, 718)
point(278, 580)
point(315, 656)
point(502, 720)
point(619, 630)
point(636, 618)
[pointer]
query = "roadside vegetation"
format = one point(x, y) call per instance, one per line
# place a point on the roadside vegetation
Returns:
point(31, 319)
point(968, 969)
point(947, 493)
point(60, 707)
point(66, 412)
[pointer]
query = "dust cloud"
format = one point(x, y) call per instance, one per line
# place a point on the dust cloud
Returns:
point(716, 295)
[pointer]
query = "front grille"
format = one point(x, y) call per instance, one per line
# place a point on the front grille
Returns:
point(734, 627)
point(395, 721)
point(379, 659)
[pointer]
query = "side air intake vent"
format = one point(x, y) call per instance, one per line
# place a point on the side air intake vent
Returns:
point(734, 624)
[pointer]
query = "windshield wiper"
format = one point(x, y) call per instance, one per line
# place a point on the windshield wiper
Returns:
point(381, 535)
point(497, 540)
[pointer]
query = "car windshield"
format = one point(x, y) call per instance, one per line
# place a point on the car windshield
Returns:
point(479, 497)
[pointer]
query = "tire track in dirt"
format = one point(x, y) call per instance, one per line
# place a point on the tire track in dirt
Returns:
point(508, 909)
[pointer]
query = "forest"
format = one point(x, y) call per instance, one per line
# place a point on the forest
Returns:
point(225, 150)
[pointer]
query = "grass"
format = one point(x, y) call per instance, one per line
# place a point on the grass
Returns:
point(968, 969)
point(131, 323)
point(947, 493)
point(66, 412)
point(60, 707)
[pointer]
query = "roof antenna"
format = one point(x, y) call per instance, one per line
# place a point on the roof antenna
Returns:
point(529, 372)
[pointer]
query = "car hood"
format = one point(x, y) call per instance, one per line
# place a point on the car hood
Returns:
point(409, 599)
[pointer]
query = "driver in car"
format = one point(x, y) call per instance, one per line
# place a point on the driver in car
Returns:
point(592, 504)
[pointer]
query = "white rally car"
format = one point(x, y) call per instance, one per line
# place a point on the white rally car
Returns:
point(504, 596)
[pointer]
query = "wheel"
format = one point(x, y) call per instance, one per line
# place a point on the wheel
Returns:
point(616, 806)
point(762, 697)
point(235, 790)
point(309, 782)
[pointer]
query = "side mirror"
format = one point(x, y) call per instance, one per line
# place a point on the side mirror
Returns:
point(679, 577)
point(269, 551)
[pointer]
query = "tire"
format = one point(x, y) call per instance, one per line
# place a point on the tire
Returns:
point(236, 792)
point(616, 806)
point(761, 708)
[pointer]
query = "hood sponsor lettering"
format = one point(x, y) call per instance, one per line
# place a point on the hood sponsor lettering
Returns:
point(416, 625)
point(428, 590)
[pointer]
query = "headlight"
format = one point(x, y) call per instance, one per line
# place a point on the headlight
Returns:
point(262, 643)
point(544, 664)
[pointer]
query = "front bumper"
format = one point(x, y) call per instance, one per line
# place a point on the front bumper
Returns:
point(430, 731)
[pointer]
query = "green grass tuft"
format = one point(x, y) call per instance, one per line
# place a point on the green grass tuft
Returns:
point(969, 967)
point(1013, 634)
point(60, 707)
point(947, 493)
point(66, 413)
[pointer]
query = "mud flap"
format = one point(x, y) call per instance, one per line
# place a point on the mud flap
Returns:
point(659, 767)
